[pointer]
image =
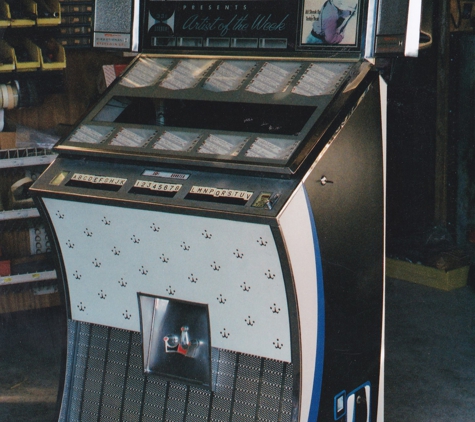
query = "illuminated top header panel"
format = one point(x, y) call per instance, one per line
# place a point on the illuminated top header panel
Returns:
point(325, 27)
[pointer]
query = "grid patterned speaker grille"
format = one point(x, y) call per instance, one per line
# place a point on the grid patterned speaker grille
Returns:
point(113, 16)
point(105, 382)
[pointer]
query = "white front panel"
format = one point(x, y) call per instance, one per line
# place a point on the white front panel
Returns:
point(112, 253)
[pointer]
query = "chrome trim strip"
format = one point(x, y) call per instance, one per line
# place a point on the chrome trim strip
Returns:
point(370, 38)
point(383, 86)
point(135, 27)
point(413, 29)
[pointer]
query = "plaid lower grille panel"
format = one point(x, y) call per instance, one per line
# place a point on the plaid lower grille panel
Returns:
point(105, 382)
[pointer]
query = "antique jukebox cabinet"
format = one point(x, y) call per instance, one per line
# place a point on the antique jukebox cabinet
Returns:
point(219, 218)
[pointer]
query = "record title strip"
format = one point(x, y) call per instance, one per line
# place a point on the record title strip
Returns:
point(103, 180)
point(156, 186)
point(221, 193)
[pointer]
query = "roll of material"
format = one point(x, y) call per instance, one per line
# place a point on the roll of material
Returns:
point(4, 91)
point(8, 100)
point(11, 100)
point(16, 95)
point(9, 96)
point(20, 188)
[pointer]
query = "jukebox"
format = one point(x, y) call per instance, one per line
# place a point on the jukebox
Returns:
point(219, 219)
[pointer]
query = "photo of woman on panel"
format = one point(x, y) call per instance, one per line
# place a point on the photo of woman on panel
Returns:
point(330, 22)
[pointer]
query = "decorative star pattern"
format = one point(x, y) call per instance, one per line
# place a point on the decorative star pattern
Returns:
point(112, 253)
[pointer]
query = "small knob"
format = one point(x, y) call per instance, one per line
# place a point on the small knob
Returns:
point(272, 201)
point(324, 180)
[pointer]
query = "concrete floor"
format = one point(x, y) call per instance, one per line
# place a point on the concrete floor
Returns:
point(30, 365)
point(430, 358)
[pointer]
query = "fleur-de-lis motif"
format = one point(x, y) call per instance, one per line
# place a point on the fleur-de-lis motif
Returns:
point(185, 247)
point(69, 244)
point(122, 283)
point(164, 259)
point(127, 315)
point(270, 275)
point(81, 307)
point(275, 309)
point(238, 254)
point(250, 321)
point(106, 221)
point(96, 263)
point(262, 242)
point(135, 239)
point(143, 271)
point(224, 333)
point(115, 251)
point(193, 278)
point(171, 291)
point(215, 266)
point(245, 287)
point(60, 215)
point(88, 233)
point(102, 295)
point(207, 235)
point(76, 275)
point(278, 344)
point(155, 228)
point(221, 299)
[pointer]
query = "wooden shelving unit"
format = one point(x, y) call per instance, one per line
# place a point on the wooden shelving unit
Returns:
point(38, 289)
point(21, 291)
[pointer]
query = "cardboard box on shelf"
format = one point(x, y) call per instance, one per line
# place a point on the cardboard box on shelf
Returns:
point(5, 268)
point(7, 140)
point(108, 75)
point(427, 276)
point(9, 135)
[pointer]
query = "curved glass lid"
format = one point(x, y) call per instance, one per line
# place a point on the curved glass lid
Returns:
point(210, 110)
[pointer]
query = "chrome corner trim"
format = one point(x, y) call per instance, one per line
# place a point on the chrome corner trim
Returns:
point(371, 23)
point(135, 27)
point(413, 29)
